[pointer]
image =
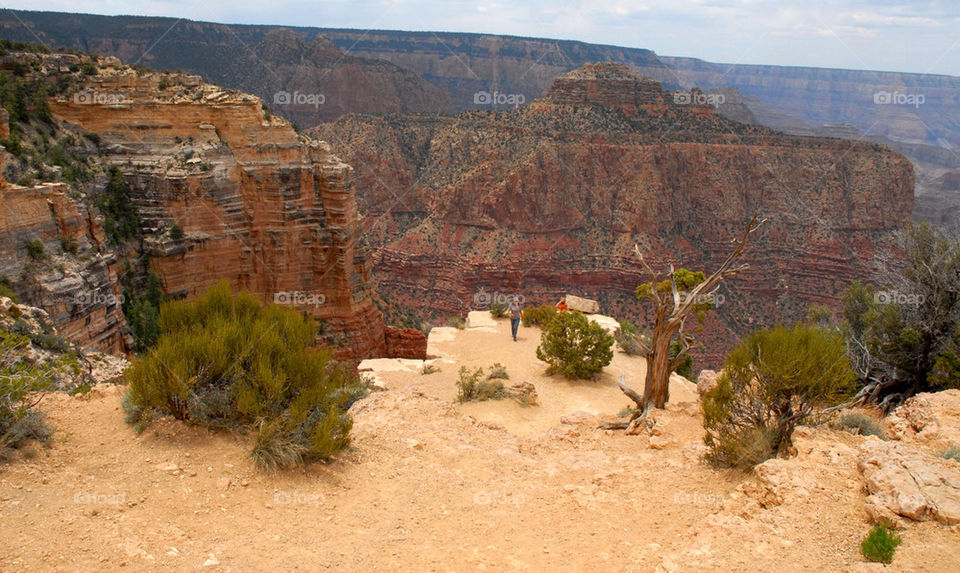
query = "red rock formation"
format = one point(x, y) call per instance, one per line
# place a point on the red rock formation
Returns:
point(405, 343)
point(259, 206)
point(552, 198)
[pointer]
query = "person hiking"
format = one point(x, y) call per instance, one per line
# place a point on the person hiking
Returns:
point(515, 311)
point(562, 305)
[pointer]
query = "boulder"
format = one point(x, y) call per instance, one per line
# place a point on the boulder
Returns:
point(405, 343)
point(525, 393)
point(706, 381)
point(610, 324)
point(903, 481)
point(584, 305)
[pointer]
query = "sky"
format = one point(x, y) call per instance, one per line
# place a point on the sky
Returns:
point(922, 36)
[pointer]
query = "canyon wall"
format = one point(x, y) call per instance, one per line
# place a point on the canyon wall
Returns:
point(553, 197)
point(256, 204)
point(78, 290)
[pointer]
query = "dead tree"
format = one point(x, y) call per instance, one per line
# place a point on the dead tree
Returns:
point(671, 314)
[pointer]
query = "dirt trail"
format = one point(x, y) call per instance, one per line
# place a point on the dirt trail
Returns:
point(433, 486)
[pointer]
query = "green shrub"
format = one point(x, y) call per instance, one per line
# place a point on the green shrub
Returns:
point(22, 383)
point(121, 222)
point(176, 233)
point(224, 360)
point(631, 340)
point(575, 346)
point(35, 250)
point(773, 381)
point(685, 368)
point(498, 307)
point(131, 412)
point(539, 315)
point(475, 386)
point(498, 371)
point(6, 289)
point(880, 544)
point(860, 424)
point(69, 246)
point(951, 453)
point(457, 322)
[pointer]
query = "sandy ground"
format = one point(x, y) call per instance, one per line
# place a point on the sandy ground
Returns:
point(430, 485)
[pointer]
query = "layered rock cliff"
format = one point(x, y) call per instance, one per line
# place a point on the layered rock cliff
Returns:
point(257, 205)
point(77, 288)
point(220, 190)
point(487, 71)
point(552, 198)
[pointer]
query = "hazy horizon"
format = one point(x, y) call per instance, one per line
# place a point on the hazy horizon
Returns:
point(889, 36)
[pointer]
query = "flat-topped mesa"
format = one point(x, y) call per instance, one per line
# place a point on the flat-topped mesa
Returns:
point(616, 87)
point(260, 206)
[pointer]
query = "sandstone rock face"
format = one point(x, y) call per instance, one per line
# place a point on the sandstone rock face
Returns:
point(584, 305)
point(405, 343)
point(259, 206)
point(928, 417)
point(552, 198)
point(903, 481)
point(79, 292)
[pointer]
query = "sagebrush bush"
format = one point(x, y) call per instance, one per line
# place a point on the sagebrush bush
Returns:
point(477, 386)
point(224, 360)
point(498, 371)
point(880, 544)
point(575, 346)
point(773, 381)
point(539, 315)
point(35, 250)
point(860, 424)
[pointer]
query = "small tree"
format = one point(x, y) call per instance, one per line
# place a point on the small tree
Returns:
point(772, 382)
point(905, 338)
point(575, 346)
point(671, 310)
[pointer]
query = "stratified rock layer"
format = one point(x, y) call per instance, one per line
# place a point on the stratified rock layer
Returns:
point(552, 198)
point(79, 292)
point(259, 206)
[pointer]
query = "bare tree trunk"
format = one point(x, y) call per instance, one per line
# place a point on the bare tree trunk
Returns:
point(656, 389)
